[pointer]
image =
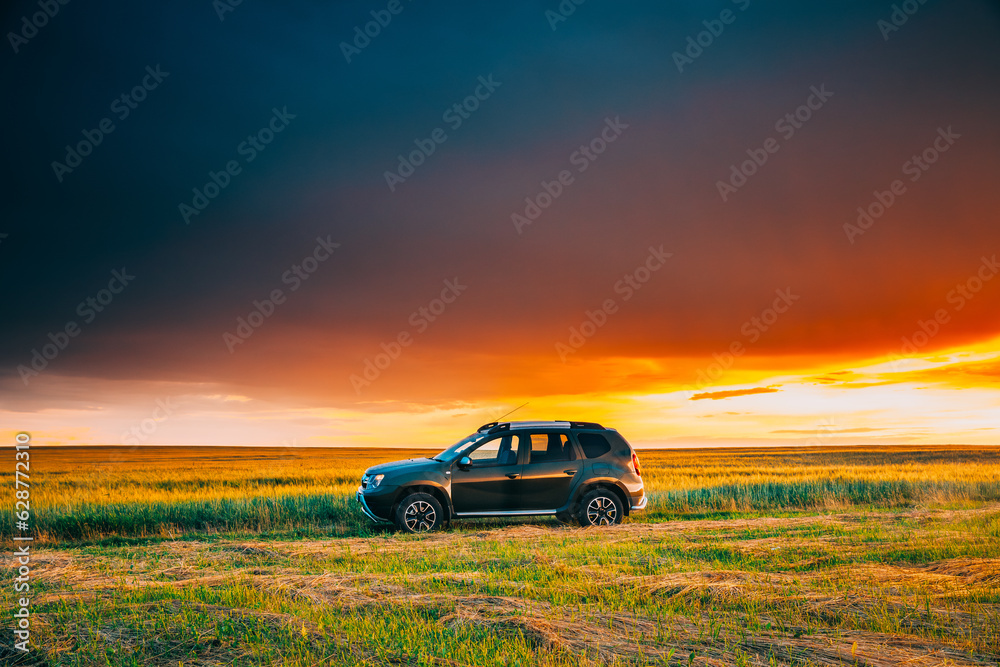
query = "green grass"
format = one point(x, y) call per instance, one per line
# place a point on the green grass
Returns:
point(820, 493)
point(338, 513)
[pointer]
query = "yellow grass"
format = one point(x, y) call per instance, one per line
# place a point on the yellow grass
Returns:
point(69, 476)
point(807, 556)
point(89, 492)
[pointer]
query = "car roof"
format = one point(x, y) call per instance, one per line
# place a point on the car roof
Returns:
point(494, 427)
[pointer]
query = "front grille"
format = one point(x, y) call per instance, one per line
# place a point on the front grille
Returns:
point(364, 482)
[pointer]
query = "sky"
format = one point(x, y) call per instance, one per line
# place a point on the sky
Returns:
point(727, 223)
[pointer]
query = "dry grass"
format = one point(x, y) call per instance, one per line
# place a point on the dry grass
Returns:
point(878, 557)
point(634, 594)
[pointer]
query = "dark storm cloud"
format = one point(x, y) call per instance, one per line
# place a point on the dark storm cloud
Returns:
point(323, 176)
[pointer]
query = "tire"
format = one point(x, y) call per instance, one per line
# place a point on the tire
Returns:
point(419, 513)
point(600, 507)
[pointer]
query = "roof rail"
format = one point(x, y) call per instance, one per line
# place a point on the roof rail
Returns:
point(593, 425)
point(496, 427)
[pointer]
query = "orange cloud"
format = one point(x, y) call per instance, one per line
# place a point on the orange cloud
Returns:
point(718, 395)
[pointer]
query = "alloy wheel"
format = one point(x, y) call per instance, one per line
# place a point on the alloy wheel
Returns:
point(601, 511)
point(420, 516)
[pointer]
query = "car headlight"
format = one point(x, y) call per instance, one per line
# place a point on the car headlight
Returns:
point(376, 480)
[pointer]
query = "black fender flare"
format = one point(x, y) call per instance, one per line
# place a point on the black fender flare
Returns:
point(425, 486)
point(608, 483)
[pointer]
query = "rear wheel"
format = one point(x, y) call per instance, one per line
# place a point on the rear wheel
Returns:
point(600, 507)
point(419, 513)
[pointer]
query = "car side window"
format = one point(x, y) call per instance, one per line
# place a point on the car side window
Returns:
point(593, 444)
point(547, 447)
point(496, 452)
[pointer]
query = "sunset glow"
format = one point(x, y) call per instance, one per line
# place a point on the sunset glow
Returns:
point(790, 237)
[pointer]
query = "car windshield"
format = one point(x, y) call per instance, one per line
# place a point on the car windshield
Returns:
point(459, 447)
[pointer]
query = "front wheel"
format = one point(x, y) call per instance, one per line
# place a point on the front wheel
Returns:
point(419, 513)
point(600, 508)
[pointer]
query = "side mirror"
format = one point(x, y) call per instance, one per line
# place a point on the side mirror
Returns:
point(465, 463)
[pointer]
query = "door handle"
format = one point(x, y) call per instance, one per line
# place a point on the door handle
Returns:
point(513, 475)
point(570, 472)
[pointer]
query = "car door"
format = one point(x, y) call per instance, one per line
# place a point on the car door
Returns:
point(492, 482)
point(550, 469)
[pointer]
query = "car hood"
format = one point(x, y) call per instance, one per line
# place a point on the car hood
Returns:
point(399, 466)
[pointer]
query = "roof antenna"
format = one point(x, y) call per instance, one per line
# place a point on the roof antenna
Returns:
point(512, 411)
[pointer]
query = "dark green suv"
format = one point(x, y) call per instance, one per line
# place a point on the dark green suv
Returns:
point(572, 470)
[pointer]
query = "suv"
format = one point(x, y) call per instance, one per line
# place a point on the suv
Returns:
point(569, 470)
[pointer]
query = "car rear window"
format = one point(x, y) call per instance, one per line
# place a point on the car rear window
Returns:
point(593, 444)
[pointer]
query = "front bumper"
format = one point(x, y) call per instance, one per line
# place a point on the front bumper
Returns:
point(367, 510)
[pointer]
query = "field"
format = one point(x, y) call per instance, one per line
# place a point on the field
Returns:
point(232, 556)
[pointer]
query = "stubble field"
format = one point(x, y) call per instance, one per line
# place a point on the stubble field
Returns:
point(233, 556)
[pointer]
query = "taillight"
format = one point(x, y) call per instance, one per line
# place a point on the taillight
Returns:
point(635, 465)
